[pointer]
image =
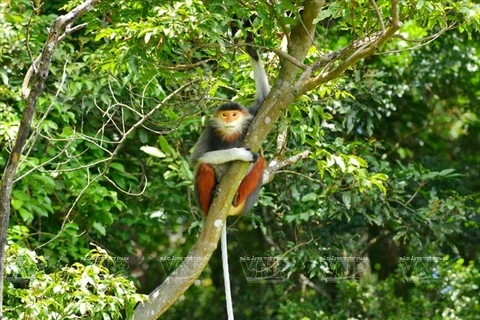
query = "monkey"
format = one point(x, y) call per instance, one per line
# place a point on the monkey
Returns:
point(219, 144)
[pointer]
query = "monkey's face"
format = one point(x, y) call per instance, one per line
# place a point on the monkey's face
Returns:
point(231, 122)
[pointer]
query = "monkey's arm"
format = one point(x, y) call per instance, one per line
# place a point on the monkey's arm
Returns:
point(228, 155)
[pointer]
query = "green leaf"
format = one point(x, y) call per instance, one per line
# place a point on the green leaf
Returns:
point(165, 146)
point(39, 210)
point(357, 161)
point(4, 77)
point(304, 216)
point(291, 217)
point(309, 197)
point(17, 203)
point(340, 162)
point(142, 134)
point(380, 176)
point(26, 215)
point(99, 227)
point(147, 37)
point(117, 166)
point(47, 181)
point(347, 199)
point(155, 152)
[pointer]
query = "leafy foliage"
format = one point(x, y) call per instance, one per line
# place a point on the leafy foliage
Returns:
point(393, 170)
point(80, 291)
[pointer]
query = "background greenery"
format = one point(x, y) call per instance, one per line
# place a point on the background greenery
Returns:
point(411, 115)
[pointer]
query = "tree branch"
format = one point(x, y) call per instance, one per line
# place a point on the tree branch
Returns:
point(108, 161)
point(283, 93)
point(379, 15)
point(274, 166)
point(362, 48)
point(279, 99)
point(36, 78)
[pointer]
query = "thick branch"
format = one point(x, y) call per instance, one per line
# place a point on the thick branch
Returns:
point(183, 277)
point(279, 99)
point(281, 96)
point(36, 79)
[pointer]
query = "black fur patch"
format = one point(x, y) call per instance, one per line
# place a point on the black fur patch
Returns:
point(232, 106)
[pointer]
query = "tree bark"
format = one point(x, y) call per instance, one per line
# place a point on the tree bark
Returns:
point(279, 99)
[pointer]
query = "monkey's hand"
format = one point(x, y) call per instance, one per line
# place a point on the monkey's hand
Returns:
point(254, 156)
point(249, 156)
point(215, 190)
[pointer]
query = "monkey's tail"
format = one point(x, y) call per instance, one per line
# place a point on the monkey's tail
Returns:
point(226, 273)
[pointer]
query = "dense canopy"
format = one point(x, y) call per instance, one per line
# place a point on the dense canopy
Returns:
point(371, 202)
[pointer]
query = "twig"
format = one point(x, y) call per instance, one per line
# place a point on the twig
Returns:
point(36, 76)
point(315, 287)
point(421, 184)
point(69, 30)
point(31, 140)
point(113, 155)
point(423, 42)
point(125, 191)
point(282, 143)
point(379, 15)
point(270, 171)
point(363, 48)
point(280, 53)
point(284, 27)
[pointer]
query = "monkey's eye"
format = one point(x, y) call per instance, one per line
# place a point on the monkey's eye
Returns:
point(234, 114)
point(224, 114)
